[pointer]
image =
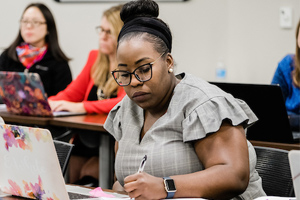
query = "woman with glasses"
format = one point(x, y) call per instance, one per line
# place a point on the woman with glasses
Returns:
point(191, 132)
point(93, 91)
point(36, 49)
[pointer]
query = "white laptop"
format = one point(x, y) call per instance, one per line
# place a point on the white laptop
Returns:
point(24, 94)
point(294, 158)
point(29, 165)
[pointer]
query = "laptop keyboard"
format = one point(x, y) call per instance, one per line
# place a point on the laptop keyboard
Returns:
point(74, 196)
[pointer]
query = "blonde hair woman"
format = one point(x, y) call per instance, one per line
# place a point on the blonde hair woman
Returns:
point(93, 91)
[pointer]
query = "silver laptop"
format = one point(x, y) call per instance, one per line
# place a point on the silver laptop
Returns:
point(294, 158)
point(29, 165)
point(24, 94)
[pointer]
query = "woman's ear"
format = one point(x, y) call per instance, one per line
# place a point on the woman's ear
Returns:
point(170, 63)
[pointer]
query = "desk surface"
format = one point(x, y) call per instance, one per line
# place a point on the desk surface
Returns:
point(285, 146)
point(26, 120)
point(88, 122)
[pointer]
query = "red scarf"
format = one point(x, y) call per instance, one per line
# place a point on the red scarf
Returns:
point(28, 54)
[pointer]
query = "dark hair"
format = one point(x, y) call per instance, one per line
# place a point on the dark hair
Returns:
point(51, 38)
point(146, 11)
point(296, 71)
point(140, 8)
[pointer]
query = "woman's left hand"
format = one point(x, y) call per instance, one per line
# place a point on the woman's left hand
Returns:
point(144, 186)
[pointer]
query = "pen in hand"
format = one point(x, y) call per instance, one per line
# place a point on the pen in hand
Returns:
point(142, 165)
point(141, 168)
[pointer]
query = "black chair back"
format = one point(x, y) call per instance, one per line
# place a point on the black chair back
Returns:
point(63, 150)
point(274, 169)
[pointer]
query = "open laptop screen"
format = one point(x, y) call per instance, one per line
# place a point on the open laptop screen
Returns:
point(23, 93)
point(267, 102)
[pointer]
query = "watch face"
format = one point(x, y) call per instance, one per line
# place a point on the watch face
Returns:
point(170, 184)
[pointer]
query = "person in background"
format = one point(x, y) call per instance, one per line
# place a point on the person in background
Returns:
point(93, 91)
point(36, 49)
point(287, 75)
point(192, 132)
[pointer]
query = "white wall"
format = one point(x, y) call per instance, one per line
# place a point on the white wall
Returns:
point(244, 34)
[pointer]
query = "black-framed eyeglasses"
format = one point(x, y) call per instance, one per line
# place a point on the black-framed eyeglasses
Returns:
point(143, 73)
point(99, 30)
point(32, 23)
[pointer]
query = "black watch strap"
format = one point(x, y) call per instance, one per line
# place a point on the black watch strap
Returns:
point(169, 187)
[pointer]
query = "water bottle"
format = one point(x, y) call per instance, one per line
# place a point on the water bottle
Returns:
point(221, 71)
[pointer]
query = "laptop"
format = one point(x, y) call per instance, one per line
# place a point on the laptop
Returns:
point(29, 164)
point(23, 93)
point(294, 159)
point(267, 102)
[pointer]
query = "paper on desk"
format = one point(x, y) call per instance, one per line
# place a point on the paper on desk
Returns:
point(275, 198)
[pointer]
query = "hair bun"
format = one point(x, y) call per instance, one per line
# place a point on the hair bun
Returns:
point(139, 8)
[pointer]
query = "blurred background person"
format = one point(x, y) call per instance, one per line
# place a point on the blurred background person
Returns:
point(287, 75)
point(36, 49)
point(93, 91)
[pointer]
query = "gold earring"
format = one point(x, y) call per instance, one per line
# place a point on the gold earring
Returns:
point(171, 70)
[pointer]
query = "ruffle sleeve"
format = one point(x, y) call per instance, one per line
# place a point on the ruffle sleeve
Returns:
point(208, 116)
point(113, 123)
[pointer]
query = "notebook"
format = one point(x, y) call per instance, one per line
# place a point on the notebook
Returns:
point(29, 164)
point(294, 159)
point(24, 94)
point(267, 102)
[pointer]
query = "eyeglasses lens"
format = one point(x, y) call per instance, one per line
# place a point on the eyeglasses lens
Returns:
point(142, 73)
point(32, 23)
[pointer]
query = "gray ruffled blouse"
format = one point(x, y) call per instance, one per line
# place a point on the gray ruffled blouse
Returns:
point(196, 109)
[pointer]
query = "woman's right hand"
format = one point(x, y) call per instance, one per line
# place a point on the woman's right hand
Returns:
point(143, 186)
point(63, 105)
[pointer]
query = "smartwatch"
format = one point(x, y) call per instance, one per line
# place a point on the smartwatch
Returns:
point(169, 187)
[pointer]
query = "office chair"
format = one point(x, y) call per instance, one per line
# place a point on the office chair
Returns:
point(63, 150)
point(274, 169)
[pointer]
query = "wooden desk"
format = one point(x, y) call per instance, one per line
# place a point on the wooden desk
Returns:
point(87, 122)
point(285, 146)
point(25, 120)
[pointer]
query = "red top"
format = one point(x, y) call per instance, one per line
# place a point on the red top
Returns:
point(78, 90)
